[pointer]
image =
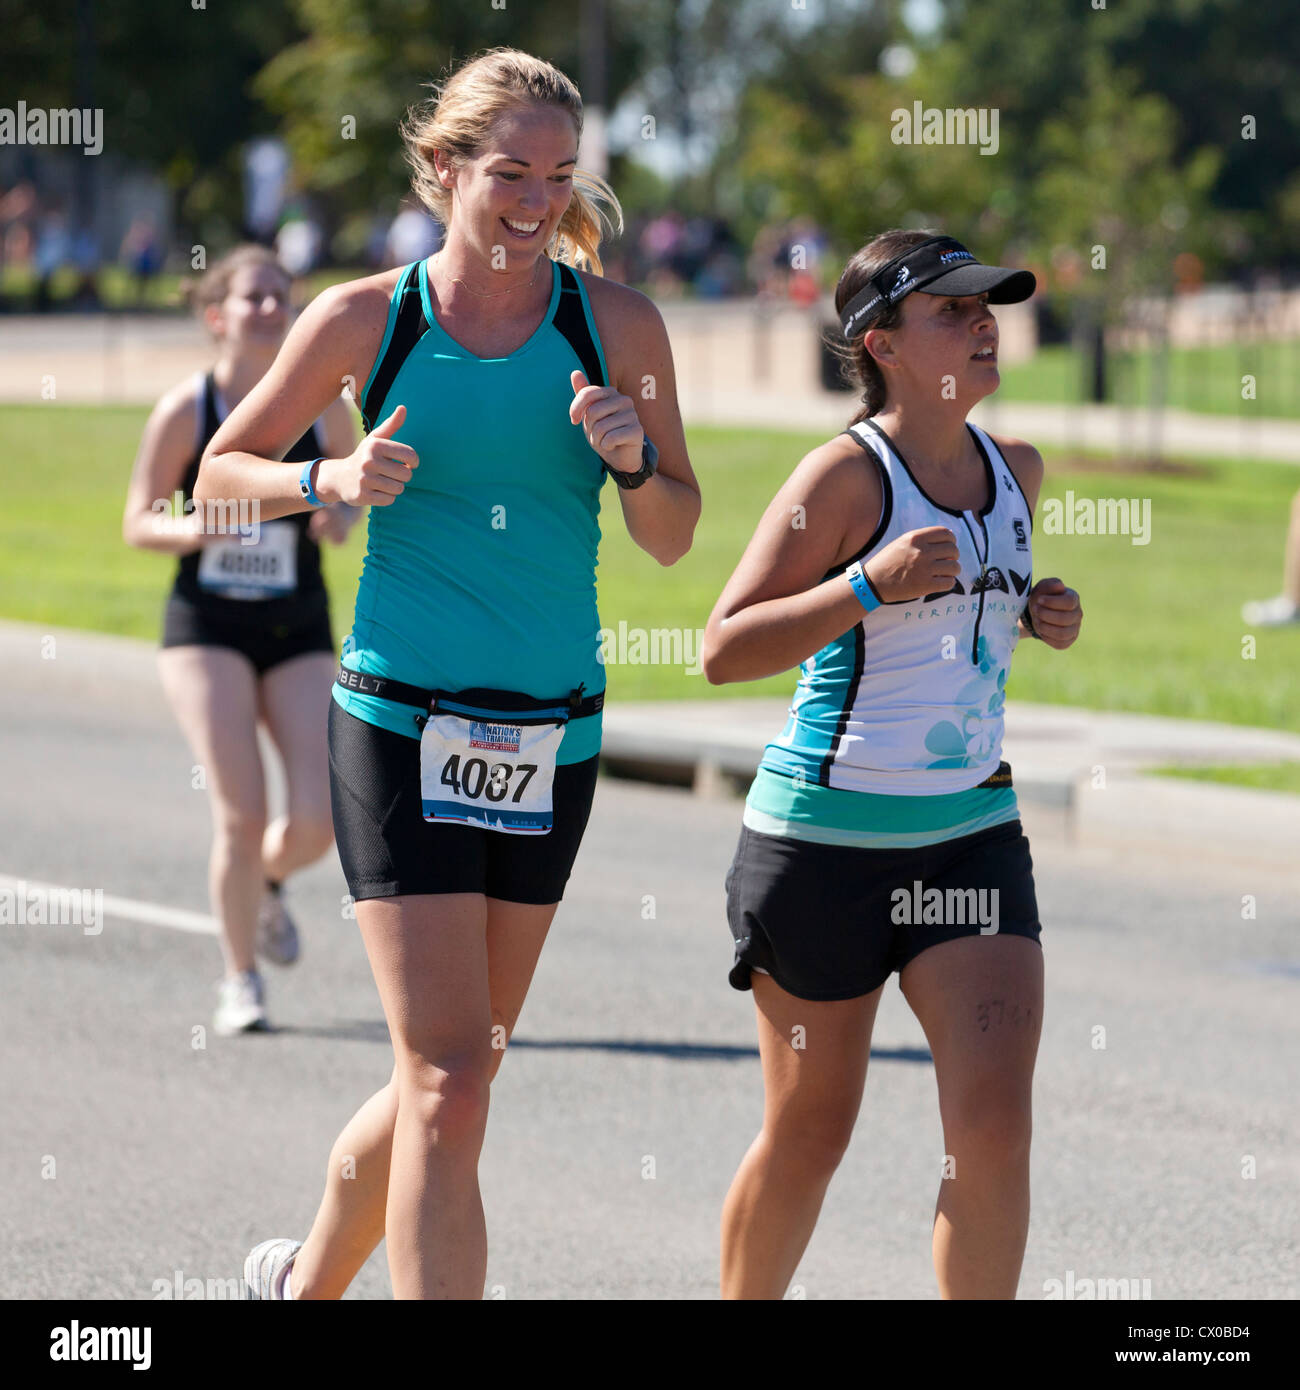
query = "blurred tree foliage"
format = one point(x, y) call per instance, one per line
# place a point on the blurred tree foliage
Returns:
point(339, 92)
point(1107, 134)
point(1214, 62)
point(172, 81)
point(1113, 121)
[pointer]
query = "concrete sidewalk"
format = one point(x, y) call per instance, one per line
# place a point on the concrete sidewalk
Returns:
point(1090, 766)
point(1102, 428)
point(736, 381)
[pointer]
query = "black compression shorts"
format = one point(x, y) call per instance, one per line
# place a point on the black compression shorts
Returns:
point(265, 640)
point(387, 848)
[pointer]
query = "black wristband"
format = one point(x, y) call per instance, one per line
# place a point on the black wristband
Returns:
point(649, 463)
point(1029, 622)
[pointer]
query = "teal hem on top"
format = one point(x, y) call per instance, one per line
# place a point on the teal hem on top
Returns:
point(777, 805)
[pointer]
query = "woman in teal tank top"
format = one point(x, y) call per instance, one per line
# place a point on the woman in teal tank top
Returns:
point(495, 382)
point(493, 547)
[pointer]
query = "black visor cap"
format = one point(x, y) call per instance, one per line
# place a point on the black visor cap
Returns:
point(1002, 286)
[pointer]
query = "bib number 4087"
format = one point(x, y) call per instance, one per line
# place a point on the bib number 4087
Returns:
point(489, 773)
point(477, 778)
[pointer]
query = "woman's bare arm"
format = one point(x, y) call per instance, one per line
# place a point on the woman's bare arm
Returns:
point(774, 611)
point(334, 341)
point(166, 447)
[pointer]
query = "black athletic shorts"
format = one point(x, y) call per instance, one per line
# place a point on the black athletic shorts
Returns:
point(266, 639)
point(835, 921)
point(387, 847)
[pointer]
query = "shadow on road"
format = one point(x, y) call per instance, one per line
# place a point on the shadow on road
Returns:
point(364, 1030)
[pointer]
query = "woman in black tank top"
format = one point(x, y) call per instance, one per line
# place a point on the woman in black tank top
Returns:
point(246, 628)
point(299, 592)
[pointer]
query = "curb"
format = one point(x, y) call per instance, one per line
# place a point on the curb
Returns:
point(714, 746)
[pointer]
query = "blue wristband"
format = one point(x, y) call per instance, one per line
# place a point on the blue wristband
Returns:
point(304, 483)
point(863, 587)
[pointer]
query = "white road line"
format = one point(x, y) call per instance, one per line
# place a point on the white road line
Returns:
point(150, 913)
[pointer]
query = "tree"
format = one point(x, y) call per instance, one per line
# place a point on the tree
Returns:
point(340, 91)
point(1213, 62)
point(171, 80)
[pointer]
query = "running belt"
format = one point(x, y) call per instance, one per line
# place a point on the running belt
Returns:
point(474, 701)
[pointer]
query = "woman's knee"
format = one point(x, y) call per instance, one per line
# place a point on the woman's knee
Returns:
point(812, 1141)
point(991, 1125)
point(447, 1096)
point(311, 832)
point(239, 829)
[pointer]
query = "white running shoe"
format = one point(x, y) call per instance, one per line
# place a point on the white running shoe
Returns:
point(277, 937)
point(241, 1005)
point(1271, 612)
point(265, 1266)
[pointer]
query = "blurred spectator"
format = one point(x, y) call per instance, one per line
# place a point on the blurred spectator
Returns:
point(805, 247)
point(661, 236)
point(19, 209)
point(298, 242)
point(53, 251)
point(786, 261)
point(1283, 610)
point(768, 267)
point(658, 244)
point(414, 235)
point(142, 254)
point(85, 259)
point(376, 248)
point(266, 173)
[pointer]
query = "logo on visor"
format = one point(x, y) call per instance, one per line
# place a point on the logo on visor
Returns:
point(903, 276)
point(956, 256)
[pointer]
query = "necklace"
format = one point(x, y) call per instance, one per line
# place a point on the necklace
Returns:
point(492, 294)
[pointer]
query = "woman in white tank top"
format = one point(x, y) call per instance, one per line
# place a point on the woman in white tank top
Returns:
point(881, 833)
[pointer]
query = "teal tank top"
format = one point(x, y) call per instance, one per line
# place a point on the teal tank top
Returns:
point(483, 572)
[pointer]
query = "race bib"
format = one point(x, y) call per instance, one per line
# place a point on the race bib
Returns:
point(267, 569)
point(488, 772)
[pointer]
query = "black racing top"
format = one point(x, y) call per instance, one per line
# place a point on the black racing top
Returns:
point(309, 593)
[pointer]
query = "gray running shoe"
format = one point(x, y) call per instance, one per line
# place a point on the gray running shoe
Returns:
point(266, 1264)
point(277, 937)
point(1271, 612)
point(241, 1005)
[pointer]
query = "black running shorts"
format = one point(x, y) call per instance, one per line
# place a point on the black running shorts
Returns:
point(387, 847)
point(835, 921)
point(265, 639)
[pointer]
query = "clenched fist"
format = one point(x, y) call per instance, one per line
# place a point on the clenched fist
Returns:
point(609, 420)
point(1055, 612)
point(918, 563)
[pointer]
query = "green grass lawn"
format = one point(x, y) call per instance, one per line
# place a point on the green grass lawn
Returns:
point(1162, 630)
point(1271, 777)
point(1205, 379)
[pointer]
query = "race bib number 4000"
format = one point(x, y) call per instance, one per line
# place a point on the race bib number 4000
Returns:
point(494, 775)
point(267, 569)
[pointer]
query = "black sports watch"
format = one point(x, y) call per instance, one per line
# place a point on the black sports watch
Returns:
point(649, 463)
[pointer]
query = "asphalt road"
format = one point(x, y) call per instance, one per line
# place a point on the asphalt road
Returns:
point(170, 1162)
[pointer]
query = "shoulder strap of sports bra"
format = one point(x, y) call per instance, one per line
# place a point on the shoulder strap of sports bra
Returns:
point(211, 420)
point(406, 326)
point(570, 321)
